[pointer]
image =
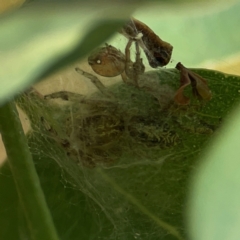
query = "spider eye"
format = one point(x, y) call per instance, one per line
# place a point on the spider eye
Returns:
point(94, 61)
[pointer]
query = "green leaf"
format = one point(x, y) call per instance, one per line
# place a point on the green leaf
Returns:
point(143, 174)
point(214, 204)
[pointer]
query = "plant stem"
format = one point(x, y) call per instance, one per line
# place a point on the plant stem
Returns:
point(30, 193)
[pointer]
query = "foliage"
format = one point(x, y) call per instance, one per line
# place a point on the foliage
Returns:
point(141, 191)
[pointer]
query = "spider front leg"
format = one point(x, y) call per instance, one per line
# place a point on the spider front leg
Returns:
point(97, 83)
point(138, 66)
point(133, 70)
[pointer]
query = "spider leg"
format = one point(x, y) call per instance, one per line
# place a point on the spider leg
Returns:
point(65, 95)
point(127, 52)
point(133, 70)
point(33, 91)
point(96, 82)
point(128, 64)
point(138, 66)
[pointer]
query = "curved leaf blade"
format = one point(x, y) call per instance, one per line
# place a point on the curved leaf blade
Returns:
point(33, 45)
